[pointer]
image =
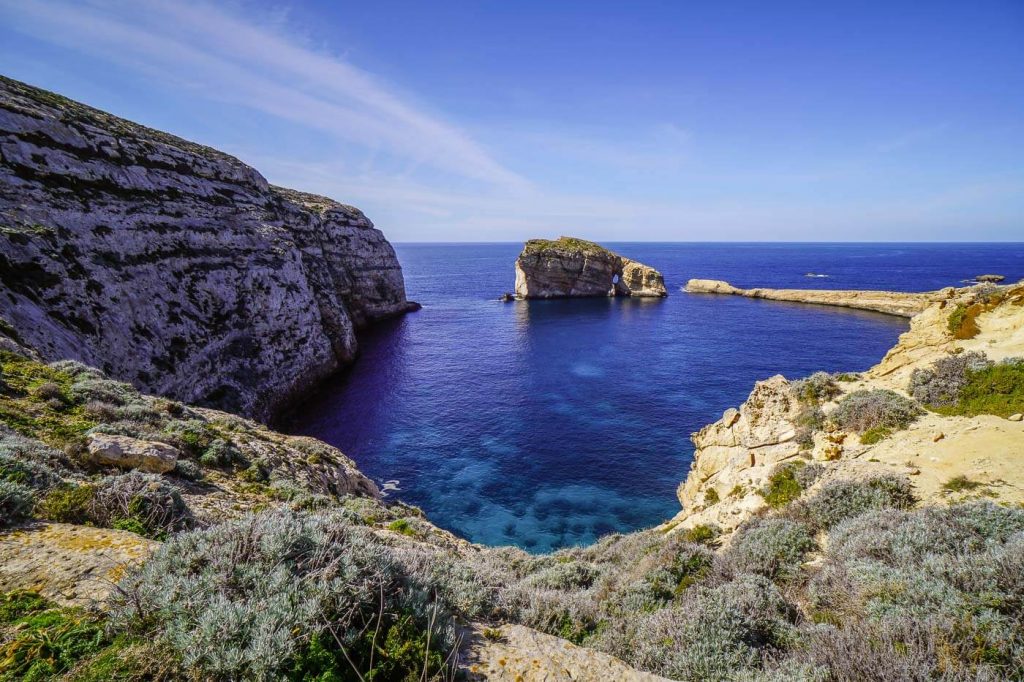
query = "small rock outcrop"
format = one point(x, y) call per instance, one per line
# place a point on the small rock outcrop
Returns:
point(569, 268)
point(889, 302)
point(124, 452)
point(175, 266)
point(991, 279)
point(515, 653)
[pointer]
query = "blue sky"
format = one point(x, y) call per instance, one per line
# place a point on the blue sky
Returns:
point(500, 121)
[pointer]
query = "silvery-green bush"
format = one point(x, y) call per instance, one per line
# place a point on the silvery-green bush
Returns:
point(942, 382)
point(876, 408)
point(250, 599)
point(771, 547)
point(838, 501)
point(16, 501)
point(712, 633)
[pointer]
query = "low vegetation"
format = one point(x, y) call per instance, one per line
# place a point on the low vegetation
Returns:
point(970, 384)
point(838, 580)
point(862, 411)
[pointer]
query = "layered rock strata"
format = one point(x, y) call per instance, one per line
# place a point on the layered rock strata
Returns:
point(175, 266)
point(898, 303)
point(570, 268)
point(736, 455)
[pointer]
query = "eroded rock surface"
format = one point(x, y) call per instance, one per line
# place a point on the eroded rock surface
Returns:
point(175, 266)
point(569, 268)
point(124, 452)
point(516, 653)
point(66, 563)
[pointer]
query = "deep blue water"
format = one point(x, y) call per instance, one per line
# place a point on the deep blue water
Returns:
point(550, 423)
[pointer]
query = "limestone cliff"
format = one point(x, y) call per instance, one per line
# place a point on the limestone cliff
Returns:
point(174, 266)
point(888, 302)
point(570, 267)
point(736, 455)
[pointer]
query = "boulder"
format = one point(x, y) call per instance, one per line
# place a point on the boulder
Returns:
point(993, 279)
point(1016, 417)
point(124, 452)
point(568, 268)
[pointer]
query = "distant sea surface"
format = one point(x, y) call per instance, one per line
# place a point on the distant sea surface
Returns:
point(550, 423)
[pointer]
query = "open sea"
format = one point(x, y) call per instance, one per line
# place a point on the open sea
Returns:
point(550, 423)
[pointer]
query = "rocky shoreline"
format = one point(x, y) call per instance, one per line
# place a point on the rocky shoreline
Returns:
point(888, 302)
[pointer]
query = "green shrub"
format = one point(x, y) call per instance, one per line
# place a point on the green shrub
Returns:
point(30, 473)
point(817, 388)
point(862, 411)
point(68, 503)
point(188, 470)
point(875, 435)
point(15, 502)
point(711, 497)
point(142, 503)
point(962, 321)
point(713, 633)
point(88, 389)
point(402, 526)
point(703, 534)
point(219, 453)
point(194, 437)
point(996, 389)
point(784, 485)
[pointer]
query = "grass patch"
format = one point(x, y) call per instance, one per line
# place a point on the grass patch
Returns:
point(402, 526)
point(783, 487)
point(28, 405)
point(961, 484)
point(565, 244)
point(875, 435)
point(702, 534)
point(41, 641)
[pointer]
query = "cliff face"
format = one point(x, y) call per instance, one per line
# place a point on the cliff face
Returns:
point(569, 267)
point(174, 266)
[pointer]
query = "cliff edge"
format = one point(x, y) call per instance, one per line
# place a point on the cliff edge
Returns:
point(942, 407)
point(175, 266)
point(568, 268)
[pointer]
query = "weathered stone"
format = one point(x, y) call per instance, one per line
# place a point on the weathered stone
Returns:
point(1016, 417)
point(175, 266)
point(518, 654)
point(69, 564)
point(131, 453)
point(993, 279)
point(569, 267)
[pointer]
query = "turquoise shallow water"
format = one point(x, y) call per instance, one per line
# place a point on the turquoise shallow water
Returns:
point(550, 423)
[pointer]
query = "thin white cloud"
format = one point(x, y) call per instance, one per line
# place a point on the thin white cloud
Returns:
point(263, 67)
